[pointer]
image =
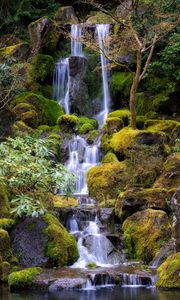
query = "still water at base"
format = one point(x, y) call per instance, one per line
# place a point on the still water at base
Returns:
point(107, 293)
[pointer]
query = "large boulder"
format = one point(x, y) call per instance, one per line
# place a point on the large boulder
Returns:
point(145, 232)
point(168, 272)
point(134, 200)
point(43, 242)
point(170, 176)
point(100, 18)
point(37, 31)
point(66, 15)
point(175, 205)
point(78, 88)
point(106, 181)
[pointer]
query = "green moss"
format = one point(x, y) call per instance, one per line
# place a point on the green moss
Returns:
point(109, 158)
point(85, 128)
point(145, 232)
point(123, 114)
point(140, 121)
point(47, 91)
point(85, 120)
point(23, 279)
point(100, 18)
point(4, 243)
point(5, 270)
point(48, 110)
point(10, 50)
point(105, 181)
point(91, 265)
point(44, 128)
point(30, 118)
point(120, 85)
point(168, 272)
point(43, 66)
point(91, 136)
point(6, 223)
point(123, 139)
point(114, 124)
point(151, 115)
point(54, 136)
point(4, 201)
point(152, 103)
point(68, 122)
point(19, 128)
point(62, 247)
point(167, 126)
point(61, 201)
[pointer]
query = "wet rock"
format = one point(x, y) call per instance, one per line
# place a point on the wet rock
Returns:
point(67, 283)
point(66, 15)
point(166, 250)
point(28, 242)
point(175, 205)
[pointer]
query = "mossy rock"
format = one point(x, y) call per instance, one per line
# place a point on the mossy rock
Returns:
point(92, 136)
point(62, 201)
point(170, 127)
point(23, 279)
point(5, 271)
point(170, 176)
point(6, 223)
point(19, 51)
point(106, 181)
point(48, 110)
point(43, 67)
point(109, 158)
point(44, 128)
point(4, 243)
point(140, 122)
point(68, 123)
point(4, 200)
point(123, 114)
point(114, 124)
point(54, 136)
point(47, 91)
point(135, 200)
point(120, 85)
point(100, 18)
point(169, 272)
point(25, 71)
point(85, 125)
point(85, 128)
point(145, 232)
point(19, 128)
point(30, 118)
point(66, 15)
point(62, 247)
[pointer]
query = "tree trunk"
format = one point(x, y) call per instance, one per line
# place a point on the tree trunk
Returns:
point(134, 88)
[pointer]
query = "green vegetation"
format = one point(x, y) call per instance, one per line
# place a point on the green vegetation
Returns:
point(6, 223)
point(23, 278)
point(120, 85)
point(27, 167)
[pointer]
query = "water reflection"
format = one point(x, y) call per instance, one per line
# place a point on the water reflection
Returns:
point(111, 293)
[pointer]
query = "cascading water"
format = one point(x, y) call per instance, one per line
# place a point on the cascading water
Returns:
point(81, 158)
point(102, 31)
point(76, 35)
point(61, 83)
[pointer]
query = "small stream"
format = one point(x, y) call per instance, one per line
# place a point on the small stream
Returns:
point(110, 293)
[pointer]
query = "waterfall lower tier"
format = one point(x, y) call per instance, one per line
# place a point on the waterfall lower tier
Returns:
point(82, 157)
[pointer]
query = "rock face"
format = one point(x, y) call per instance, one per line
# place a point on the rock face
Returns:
point(168, 272)
point(145, 232)
point(29, 241)
point(78, 87)
point(175, 205)
point(134, 200)
point(66, 15)
point(37, 30)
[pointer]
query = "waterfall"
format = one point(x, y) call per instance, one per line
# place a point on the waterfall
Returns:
point(81, 158)
point(61, 83)
point(102, 31)
point(73, 225)
point(76, 35)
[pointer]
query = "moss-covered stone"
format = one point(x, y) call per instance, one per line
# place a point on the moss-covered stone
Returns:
point(68, 123)
point(123, 114)
point(54, 136)
point(100, 18)
point(92, 136)
point(169, 272)
point(114, 124)
point(140, 121)
point(6, 223)
point(170, 176)
point(44, 128)
point(30, 118)
point(20, 51)
point(145, 232)
point(106, 181)
point(172, 128)
point(43, 67)
point(61, 201)
point(19, 128)
point(4, 201)
point(86, 125)
point(47, 91)
point(25, 71)
point(66, 15)
point(5, 271)
point(131, 201)
point(120, 85)
point(48, 110)
point(85, 128)
point(62, 247)
point(125, 138)
point(109, 158)
point(4, 243)
point(23, 279)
